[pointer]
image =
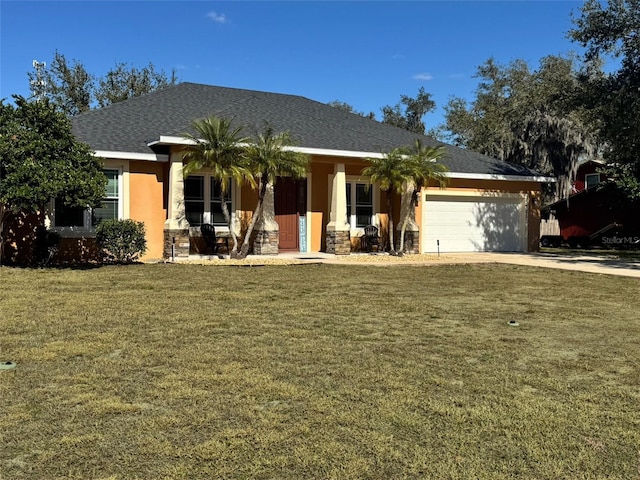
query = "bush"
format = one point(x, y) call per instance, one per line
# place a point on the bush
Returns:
point(121, 241)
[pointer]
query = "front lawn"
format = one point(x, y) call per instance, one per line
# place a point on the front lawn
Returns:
point(318, 372)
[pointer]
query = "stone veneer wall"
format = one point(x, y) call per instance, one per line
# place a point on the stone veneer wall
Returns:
point(339, 242)
point(266, 242)
point(181, 245)
point(411, 244)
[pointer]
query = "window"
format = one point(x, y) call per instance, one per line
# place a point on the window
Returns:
point(217, 218)
point(197, 188)
point(68, 217)
point(109, 210)
point(591, 180)
point(360, 212)
point(194, 200)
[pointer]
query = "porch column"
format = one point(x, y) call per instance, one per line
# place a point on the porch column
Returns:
point(176, 227)
point(267, 229)
point(338, 239)
point(408, 214)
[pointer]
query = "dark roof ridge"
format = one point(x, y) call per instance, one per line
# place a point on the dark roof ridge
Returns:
point(248, 90)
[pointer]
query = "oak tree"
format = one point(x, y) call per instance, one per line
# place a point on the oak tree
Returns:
point(40, 160)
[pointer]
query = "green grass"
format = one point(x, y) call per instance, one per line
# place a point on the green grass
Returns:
point(319, 372)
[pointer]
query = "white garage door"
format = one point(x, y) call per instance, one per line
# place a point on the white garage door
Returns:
point(474, 224)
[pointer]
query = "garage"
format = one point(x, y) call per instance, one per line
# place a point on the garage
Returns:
point(491, 222)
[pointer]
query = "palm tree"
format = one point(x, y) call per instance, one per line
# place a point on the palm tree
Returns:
point(390, 171)
point(220, 147)
point(268, 158)
point(421, 162)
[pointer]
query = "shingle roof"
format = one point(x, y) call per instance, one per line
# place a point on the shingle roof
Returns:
point(130, 125)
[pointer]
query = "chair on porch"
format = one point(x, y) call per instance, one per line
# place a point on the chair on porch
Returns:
point(213, 242)
point(370, 239)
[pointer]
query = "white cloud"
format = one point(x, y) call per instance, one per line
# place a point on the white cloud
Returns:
point(217, 17)
point(423, 76)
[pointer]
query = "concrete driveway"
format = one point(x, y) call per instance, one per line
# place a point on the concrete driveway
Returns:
point(583, 263)
point(604, 264)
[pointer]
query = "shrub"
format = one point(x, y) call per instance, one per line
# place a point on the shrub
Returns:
point(121, 241)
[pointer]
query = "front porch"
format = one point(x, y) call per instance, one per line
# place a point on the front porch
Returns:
point(323, 213)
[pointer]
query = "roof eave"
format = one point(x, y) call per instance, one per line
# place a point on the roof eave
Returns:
point(149, 157)
point(493, 176)
point(173, 140)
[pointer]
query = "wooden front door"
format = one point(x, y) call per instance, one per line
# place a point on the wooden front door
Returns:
point(286, 196)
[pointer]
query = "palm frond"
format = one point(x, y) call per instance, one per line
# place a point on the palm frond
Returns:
point(218, 146)
point(389, 172)
point(269, 157)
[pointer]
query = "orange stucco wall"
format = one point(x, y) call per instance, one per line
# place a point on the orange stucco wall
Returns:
point(248, 202)
point(354, 168)
point(533, 239)
point(320, 198)
point(146, 202)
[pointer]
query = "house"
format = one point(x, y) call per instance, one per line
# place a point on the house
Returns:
point(591, 215)
point(587, 176)
point(488, 205)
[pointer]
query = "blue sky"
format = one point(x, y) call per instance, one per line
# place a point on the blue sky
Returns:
point(360, 52)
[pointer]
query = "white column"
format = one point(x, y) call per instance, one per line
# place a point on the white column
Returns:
point(176, 218)
point(408, 208)
point(267, 221)
point(309, 212)
point(338, 212)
